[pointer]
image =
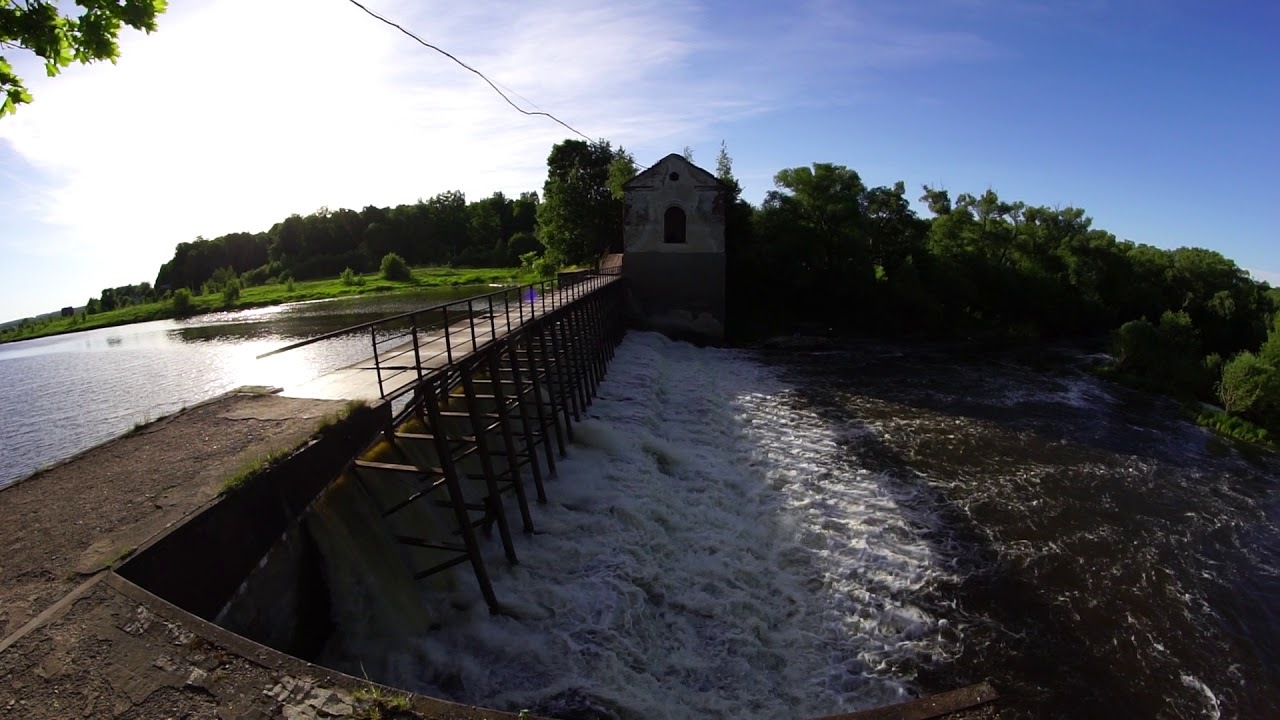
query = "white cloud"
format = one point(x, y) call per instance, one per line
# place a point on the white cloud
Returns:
point(238, 112)
point(1268, 276)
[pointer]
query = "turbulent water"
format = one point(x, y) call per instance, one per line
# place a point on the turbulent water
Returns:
point(747, 535)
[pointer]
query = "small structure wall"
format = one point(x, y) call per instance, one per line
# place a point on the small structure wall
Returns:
point(676, 275)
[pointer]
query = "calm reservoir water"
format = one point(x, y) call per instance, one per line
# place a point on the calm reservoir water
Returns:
point(63, 394)
point(761, 535)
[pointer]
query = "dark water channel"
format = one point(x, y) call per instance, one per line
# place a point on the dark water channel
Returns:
point(63, 394)
point(1110, 560)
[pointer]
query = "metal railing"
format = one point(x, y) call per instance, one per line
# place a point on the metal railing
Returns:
point(428, 341)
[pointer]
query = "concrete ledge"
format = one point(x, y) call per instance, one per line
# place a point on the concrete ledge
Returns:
point(199, 563)
point(927, 708)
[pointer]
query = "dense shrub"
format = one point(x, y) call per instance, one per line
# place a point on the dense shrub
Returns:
point(1137, 346)
point(1250, 388)
point(230, 292)
point(350, 278)
point(395, 268)
point(182, 301)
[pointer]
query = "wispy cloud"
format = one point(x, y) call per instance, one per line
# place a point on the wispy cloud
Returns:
point(238, 112)
point(1268, 276)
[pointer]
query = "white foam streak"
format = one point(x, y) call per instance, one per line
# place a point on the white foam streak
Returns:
point(706, 553)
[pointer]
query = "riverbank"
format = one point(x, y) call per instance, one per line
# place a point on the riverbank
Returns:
point(270, 294)
point(1210, 417)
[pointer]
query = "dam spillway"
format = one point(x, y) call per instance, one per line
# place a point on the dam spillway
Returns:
point(315, 554)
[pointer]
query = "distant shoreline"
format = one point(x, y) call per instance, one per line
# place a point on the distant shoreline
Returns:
point(267, 295)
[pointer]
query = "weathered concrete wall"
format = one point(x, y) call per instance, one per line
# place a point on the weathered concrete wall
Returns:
point(679, 295)
point(693, 190)
point(202, 563)
point(284, 603)
point(676, 287)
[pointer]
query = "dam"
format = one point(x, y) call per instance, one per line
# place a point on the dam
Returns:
point(471, 412)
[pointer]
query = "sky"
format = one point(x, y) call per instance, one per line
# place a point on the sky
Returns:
point(1160, 117)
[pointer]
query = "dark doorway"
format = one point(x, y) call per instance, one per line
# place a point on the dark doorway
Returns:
point(673, 225)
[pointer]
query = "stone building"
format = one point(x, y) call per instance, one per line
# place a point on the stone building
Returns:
point(674, 250)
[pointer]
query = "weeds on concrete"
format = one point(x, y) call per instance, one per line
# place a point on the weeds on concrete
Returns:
point(330, 421)
point(374, 702)
point(247, 472)
point(122, 555)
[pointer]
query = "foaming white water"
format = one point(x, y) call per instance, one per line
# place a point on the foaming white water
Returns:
point(706, 553)
point(1211, 708)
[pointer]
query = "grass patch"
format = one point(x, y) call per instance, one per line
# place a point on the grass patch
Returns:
point(330, 421)
point(272, 294)
point(1233, 427)
point(247, 472)
point(373, 702)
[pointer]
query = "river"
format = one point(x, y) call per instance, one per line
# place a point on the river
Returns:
point(64, 394)
point(756, 534)
point(746, 534)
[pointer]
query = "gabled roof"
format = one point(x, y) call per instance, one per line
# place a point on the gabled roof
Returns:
point(652, 176)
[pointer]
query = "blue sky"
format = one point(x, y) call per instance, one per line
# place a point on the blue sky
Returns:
point(1159, 117)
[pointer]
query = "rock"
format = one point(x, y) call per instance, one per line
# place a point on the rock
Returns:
point(166, 663)
point(299, 712)
point(339, 704)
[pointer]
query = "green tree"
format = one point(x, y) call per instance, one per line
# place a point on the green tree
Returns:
point(578, 218)
point(182, 301)
point(231, 292)
point(1250, 388)
point(1136, 347)
point(39, 27)
point(621, 169)
point(1270, 350)
point(826, 202)
point(394, 267)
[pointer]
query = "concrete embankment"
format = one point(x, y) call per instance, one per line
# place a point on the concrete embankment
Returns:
point(78, 639)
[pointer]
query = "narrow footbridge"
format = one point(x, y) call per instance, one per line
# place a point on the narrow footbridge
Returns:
point(485, 392)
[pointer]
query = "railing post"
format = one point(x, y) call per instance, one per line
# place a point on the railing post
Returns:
point(471, 321)
point(520, 304)
point(506, 307)
point(417, 355)
point(448, 345)
point(493, 321)
point(377, 366)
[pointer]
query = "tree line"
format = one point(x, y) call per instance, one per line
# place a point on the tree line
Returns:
point(824, 246)
point(443, 230)
point(825, 249)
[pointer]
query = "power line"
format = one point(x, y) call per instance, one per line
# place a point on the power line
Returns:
point(424, 43)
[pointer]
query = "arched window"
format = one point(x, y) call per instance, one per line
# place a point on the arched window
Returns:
point(673, 223)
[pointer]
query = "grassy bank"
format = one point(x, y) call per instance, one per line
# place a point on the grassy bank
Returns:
point(270, 294)
point(1218, 421)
